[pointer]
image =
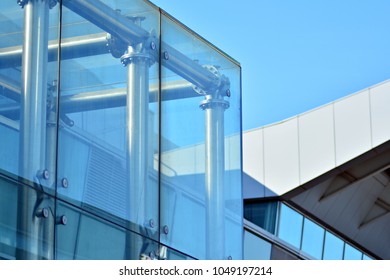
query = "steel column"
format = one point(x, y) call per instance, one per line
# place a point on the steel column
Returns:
point(214, 108)
point(137, 119)
point(32, 125)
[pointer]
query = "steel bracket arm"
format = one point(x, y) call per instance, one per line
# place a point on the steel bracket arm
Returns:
point(120, 26)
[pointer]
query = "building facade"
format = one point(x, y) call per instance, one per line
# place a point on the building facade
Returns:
point(113, 143)
point(317, 185)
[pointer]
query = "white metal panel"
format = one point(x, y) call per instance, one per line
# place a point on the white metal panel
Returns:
point(281, 163)
point(253, 157)
point(352, 127)
point(316, 143)
point(380, 113)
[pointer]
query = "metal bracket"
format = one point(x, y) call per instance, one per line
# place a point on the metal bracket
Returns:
point(147, 49)
point(23, 3)
point(221, 89)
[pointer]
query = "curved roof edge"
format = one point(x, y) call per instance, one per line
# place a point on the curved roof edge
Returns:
point(290, 153)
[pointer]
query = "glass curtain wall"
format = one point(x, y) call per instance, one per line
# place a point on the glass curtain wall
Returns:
point(119, 128)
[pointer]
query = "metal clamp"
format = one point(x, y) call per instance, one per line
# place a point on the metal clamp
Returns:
point(23, 3)
point(222, 87)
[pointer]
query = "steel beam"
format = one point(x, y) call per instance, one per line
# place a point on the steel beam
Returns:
point(74, 47)
point(105, 99)
point(32, 141)
point(124, 28)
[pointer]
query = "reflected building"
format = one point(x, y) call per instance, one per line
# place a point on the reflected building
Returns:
point(112, 132)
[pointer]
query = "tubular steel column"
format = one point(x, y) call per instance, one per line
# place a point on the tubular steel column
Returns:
point(32, 125)
point(214, 106)
point(138, 62)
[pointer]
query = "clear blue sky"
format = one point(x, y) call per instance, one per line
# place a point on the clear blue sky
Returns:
point(295, 54)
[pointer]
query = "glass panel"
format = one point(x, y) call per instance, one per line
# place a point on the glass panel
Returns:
point(351, 253)
point(86, 236)
point(20, 236)
point(262, 214)
point(313, 239)
point(175, 255)
point(108, 144)
point(201, 203)
point(365, 257)
point(290, 226)
point(256, 248)
point(28, 90)
point(334, 247)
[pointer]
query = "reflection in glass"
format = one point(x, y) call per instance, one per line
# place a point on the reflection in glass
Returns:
point(108, 144)
point(88, 237)
point(262, 214)
point(26, 229)
point(313, 239)
point(334, 247)
point(256, 248)
point(365, 257)
point(200, 151)
point(351, 253)
point(28, 90)
point(290, 226)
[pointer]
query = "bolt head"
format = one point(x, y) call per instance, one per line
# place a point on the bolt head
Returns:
point(63, 220)
point(64, 182)
point(151, 223)
point(45, 213)
point(228, 93)
point(165, 229)
point(166, 55)
point(229, 258)
point(46, 174)
point(153, 45)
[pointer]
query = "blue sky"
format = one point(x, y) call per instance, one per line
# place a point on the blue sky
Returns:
point(295, 54)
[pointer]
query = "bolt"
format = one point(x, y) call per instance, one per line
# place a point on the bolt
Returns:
point(228, 93)
point(45, 174)
point(63, 220)
point(230, 258)
point(153, 45)
point(165, 229)
point(65, 183)
point(22, 3)
point(151, 223)
point(43, 213)
point(166, 55)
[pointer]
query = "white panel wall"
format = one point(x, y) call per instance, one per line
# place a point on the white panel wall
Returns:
point(316, 143)
point(281, 163)
point(352, 126)
point(380, 113)
point(287, 154)
point(253, 157)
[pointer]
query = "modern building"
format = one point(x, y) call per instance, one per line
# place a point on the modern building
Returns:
point(113, 143)
point(317, 186)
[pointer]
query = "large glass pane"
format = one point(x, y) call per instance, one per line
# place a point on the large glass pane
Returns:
point(313, 239)
point(26, 222)
point(201, 200)
point(262, 214)
point(334, 247)
point(28, 90)
point(365, 257)
point(86, 236)
point(108, 142)
point(256, 248)
point(290, 226)
point(351, 253)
